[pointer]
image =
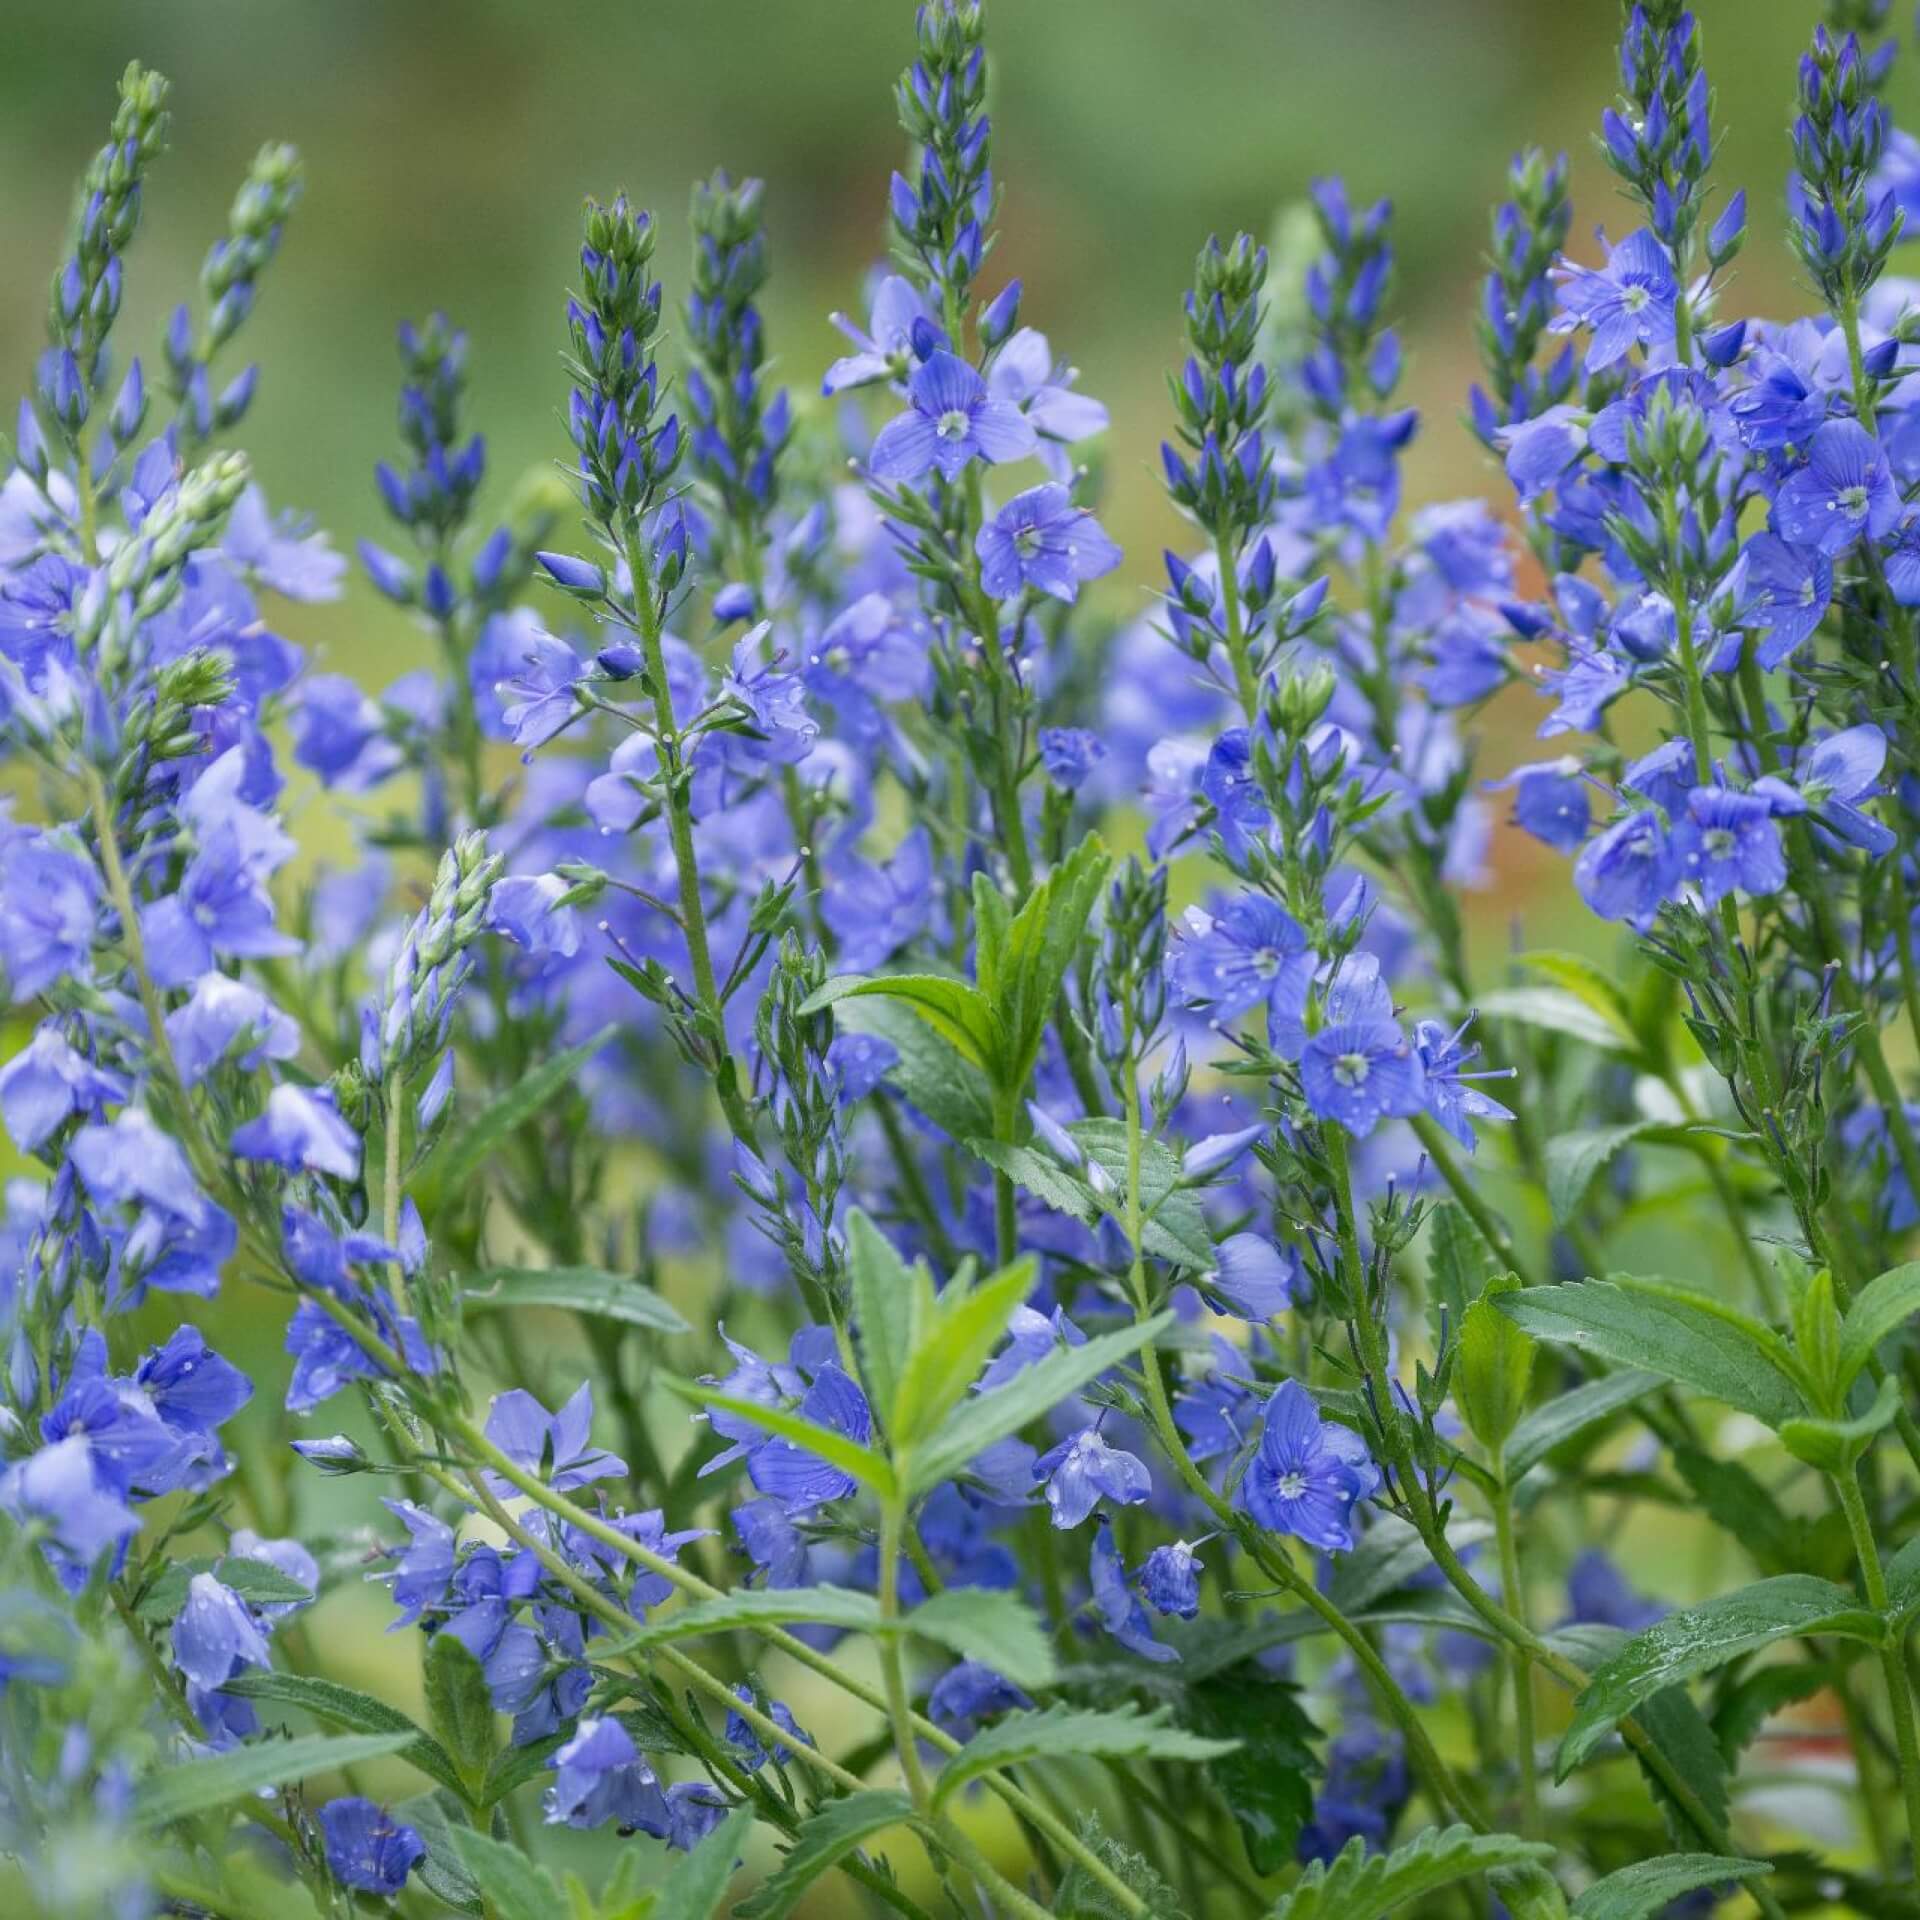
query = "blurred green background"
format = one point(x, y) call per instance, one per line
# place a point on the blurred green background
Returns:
point(449, 146)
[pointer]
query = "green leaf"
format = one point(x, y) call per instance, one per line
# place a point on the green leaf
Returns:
point(1572, 973)
point(1493, 1368)
point(1737, 1502)
point(253, 1580)
point(822, 1842)
point(513, 1886)
point(695, 1888)
point(589, 1290)
point(931, 1072)
point(436, 1818)
point(998, 1629)
point(960, 1014)
point(753, 1607)
point(1176, 1225)
point(1558, 1012)
point(1635, 1892)
point(1747, 1706)
point(1072, 1733)
point(1359, 1885)
point(872, 1469)
point(1459, 1261)
point(1903, 1585)
point(1879, 1307)
point(891, 1303)
point(1391, 1555)
point(1267, 1777)
point(513, 1767)
point(356, 1712)
point(1835, 1446)
point(1568, 1415)
point(460, 1705)
point(1575, 1160)
point(219, 1779)
point(978, 1422)
point(966, 1323)
point(454, 1164)
point(1030, 963)
point(1043, 1177)
point(1697, 1639)
point(1661, 1331)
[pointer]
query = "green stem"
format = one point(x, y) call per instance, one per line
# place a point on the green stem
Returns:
point(1237, 651)
point(1520, 1668)
point(1439, 1150)
point(893, 1668)
point(1892, 1661)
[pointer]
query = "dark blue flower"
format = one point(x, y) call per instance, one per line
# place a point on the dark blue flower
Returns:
point(1307, 1473)
point(367, 1848)
point(1630, 870)
point(599, 1775)
point(1070, 755)
point(1629, 302)
point(800, 1480)
point(1170, 1579)
point(1728, 842)
point(301, 1129)
point(1549, 801)
point(1252, 1278)
point(1116, 1603)
point(952, 419)
point(965, 1694)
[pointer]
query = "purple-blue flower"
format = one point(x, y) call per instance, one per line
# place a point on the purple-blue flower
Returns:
point(1728, 843)
point(215, 1634)
point(1170, 1580)
point(599, 1775)
point(1360, 1072)
point(1629, 302)
point(557, 1447)
point(49, 901)
point(1239, 957)
point(1844, 490)
point(1252, 1278)
point(1116, 1603)
point(1083, 1471)
point(1307, 1473)
point(1041, 542)
point(300, 1129)
point(1629, 871)
point(952, 419)
point(800, 1480)
point(367, 1848)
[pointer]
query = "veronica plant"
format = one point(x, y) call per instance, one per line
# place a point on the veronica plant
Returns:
point(868, 1350)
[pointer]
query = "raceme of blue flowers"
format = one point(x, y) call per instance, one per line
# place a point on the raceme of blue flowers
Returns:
point(872, 1353)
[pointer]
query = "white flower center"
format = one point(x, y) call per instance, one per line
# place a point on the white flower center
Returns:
point(1292, 1485)
point(953, 424)
point(1351, 1069)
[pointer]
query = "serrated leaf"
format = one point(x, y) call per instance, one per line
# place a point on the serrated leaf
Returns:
point(1175, 1226)
point(356, 1712)
point(1835, 1446)
point(696, 1886)
point(977, 1423)
point(1643, 1889)
point(1493, 1368)
point(460, 1705)
point(1659, 1332)
point(1036, 952)
point(1571, 1414)
point(1267, 1777)
point(1558, 1012)
point(871, 1468)
point(1759, 1695)
point(1045, 1178)
point(822, 1842)
point(514, 1887)
point(996, 1628)
point(218, 1779)
point(1697, 1639)
point(1575, 1160)
point(454, 1163)
point(1459, 1261)
point(1359, 1885)
point(589, 1290)
point(958, 1012)
point(1391, 1555)
point(1069, 1733)
point(436, 1818)
point(930, 1073)
point(1883, 1304)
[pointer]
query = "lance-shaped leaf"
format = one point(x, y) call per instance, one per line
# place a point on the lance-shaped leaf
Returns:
point(1568, 1415)
point(822, 1605)
point(892, 1302)
point(1493, 1368)
point(219, 1779)
point(1835, 1446)
point(958, 1012)
point(1698, 1639)
point(930, 1071)
point(964, 1325)
point(1074, 1733)
point(590, 1290)
point(353, 1712)
point(1023, 963)
point(871, 1468)
point(978, 1422)
point(515, 1888)
point(1359, 1885)
point(822, 1842)
point(1881, 1306)
point(1645, 1888)
point(696, 1886)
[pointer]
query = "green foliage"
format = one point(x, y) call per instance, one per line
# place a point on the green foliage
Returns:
point(1494, 1368)
point(588, 1290)
point(822, 1842)
point(1359, 1885)
point(1635, 1892)
point(219, 1779)
point(1267, 1776)
point(1067, 1732)
point(352, 1711)
point(460, 1705)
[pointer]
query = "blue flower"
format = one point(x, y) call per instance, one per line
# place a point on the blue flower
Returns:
point(341, 734)
point(1844, 490)
point(800, 1480)
point(965, 1694)
point(367, 1848)
point(1549, 801)
point(897, 311)
point(47, 1082)
point(1239, 957)
point(1452, 1099)
point(1070, 755)
point(1307, 1473)
point(1831, 778)
point(220, 1012)
point(1253, 1279)
point(599, 1775)
point(876, 909)
point(1082, 1471)
point(1025, 375)
point(1170, 1579)
point(58, 1489)
point(1116, 1603)
point(1360, 1072)
point(215, 1635)
point(1727, 843)
point(1599, 1594)
point(745, 1743)
point(536, 701)
point(558, 1448)
point(1788, 590)
point(1041, 542)
point(1630, 870)
point(952, 420)
point(1628, 302)
point(49, 901)
point(301, 1129)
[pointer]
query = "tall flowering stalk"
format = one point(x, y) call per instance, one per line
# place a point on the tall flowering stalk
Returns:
point(1144, 1358)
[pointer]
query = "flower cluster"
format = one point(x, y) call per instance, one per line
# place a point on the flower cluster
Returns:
point(784, 1226)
